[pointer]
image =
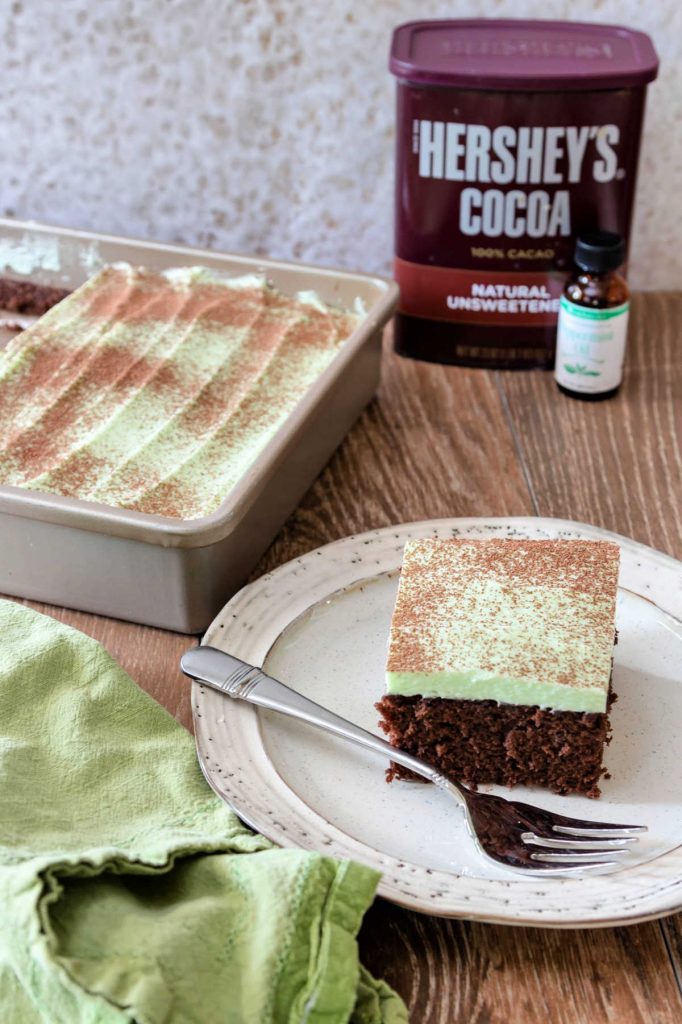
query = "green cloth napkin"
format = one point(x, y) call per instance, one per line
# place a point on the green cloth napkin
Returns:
point(128, 890)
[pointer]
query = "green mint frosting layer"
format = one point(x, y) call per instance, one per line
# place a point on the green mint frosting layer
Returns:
point(503, 689)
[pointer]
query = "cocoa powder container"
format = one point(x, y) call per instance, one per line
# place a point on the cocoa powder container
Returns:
point(513, 137)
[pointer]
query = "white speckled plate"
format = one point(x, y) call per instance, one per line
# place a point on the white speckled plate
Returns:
point(320, 624)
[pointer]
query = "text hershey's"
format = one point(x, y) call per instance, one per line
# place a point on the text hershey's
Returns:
point(505, 155)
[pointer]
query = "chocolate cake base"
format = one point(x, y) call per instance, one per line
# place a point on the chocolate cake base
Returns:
point(29, 298)
point(481, 741)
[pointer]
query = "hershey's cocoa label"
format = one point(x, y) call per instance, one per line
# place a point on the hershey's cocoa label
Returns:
point(521, 156)
point(493, 188)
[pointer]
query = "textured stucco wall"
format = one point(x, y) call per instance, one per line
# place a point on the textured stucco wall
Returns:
point(263, 127)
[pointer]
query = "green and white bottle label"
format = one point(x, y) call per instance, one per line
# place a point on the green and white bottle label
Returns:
point(590, 347)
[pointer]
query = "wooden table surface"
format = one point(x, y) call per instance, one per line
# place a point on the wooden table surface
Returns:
point(445, 441)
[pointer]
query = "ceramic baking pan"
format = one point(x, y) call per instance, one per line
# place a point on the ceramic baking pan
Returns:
point(168, 572)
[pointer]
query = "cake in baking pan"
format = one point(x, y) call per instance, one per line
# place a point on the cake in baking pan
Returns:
point(158, 391)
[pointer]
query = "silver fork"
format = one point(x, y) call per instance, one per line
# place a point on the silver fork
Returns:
point(516, 835)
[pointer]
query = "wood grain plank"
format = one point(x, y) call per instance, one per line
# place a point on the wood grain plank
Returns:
point(452, 972)
point(616, 463)
point(434, 443)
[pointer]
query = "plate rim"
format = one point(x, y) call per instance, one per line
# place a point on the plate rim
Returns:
point(339, 844)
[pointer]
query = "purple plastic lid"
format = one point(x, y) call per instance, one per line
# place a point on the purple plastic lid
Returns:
point(481, 53)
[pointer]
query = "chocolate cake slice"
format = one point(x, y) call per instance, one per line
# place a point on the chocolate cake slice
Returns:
point(500, 659)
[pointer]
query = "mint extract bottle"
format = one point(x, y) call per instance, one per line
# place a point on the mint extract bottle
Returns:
point(593, 320)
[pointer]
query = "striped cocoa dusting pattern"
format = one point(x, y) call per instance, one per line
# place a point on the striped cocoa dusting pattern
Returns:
point(156, 392)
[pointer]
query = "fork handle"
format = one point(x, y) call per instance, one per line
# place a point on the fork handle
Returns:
point(234, 678)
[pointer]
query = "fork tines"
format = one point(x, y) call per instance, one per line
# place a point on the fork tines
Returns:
point(599, 844)
point(599, 830)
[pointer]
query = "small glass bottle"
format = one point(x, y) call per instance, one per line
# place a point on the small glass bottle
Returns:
point(593, 320)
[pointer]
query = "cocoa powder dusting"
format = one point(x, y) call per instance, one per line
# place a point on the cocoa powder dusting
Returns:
point(454, 595)
point(142, 301)
point(112, 369)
